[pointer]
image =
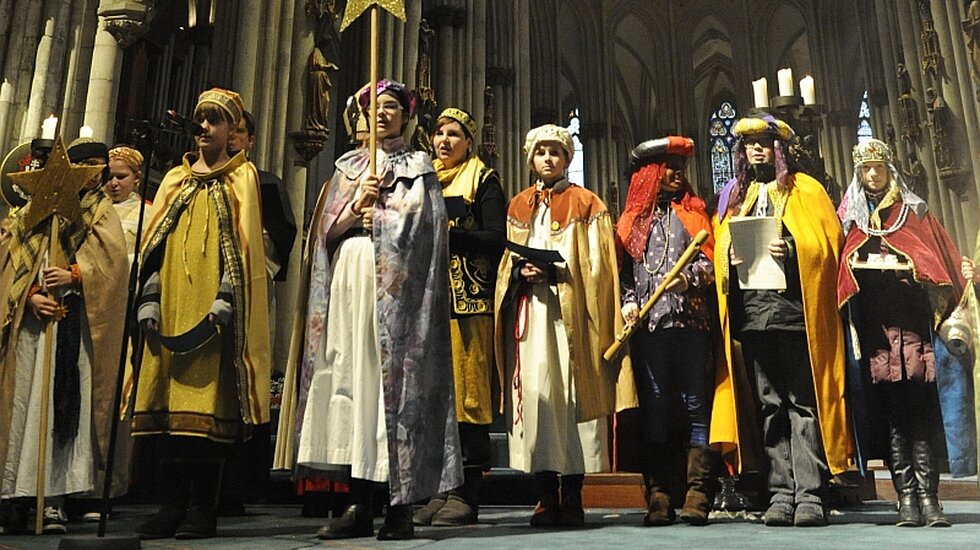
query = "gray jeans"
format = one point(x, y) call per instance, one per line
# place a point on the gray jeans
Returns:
point(779, 370)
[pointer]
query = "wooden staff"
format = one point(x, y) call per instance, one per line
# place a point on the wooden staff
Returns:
point(685, 259)
point(54, 259)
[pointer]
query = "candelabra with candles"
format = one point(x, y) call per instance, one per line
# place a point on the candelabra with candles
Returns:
point(804, 115)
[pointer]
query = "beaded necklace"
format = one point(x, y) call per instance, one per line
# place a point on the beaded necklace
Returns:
point(665, 228)
point(903, 214)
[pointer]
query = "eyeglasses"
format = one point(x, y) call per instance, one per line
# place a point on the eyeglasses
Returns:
point(762, 141)
point(390, 106)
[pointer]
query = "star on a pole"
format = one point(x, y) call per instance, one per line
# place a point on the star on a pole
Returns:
point(356, 7)
point(54, 189)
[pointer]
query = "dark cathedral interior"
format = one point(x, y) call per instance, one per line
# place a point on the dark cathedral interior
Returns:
point(611, 75)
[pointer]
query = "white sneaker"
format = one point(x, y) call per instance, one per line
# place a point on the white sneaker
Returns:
point(92, 517)
point(54, 520)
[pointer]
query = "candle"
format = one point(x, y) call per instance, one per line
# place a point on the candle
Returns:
point(760, 89)
point(49, 127)
point(807, 90)
point(785, 81)
point(85, 132)
point(6, 92)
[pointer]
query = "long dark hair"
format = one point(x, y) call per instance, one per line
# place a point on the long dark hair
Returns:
point(784, 163)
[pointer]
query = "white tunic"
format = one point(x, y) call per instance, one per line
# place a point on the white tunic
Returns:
point(70, 468)
point(344, 422)
point(547, 435)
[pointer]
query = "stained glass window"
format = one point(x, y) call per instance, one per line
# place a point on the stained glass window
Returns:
point(576, 170)
point(722, 145)
point(864, 120)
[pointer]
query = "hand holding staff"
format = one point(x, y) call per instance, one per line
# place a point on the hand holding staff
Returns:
point(685, 259)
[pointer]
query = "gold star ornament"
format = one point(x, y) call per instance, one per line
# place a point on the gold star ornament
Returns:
point(54, 189)
point(356, 7)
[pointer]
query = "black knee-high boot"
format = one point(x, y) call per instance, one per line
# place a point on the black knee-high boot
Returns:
point(927, 477)
point(903, 477)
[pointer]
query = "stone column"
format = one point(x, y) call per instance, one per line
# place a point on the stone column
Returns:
point(907, 19)
point(246, 55)
point(268, 74)
point(47, 70)
point(448, 69)
point(885, 39)
point(277, 123)
point(295, 170)
point(121, 23)
point(478, 62)
point(6, 100)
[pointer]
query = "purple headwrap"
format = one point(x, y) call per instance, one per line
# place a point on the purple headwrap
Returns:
point(397, 89)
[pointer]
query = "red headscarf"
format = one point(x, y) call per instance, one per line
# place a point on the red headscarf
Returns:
point(633, 227)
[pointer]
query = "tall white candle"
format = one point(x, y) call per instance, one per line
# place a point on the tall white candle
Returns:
point(807, 90)
point(85, 132)
point(760, 90)
point(49, 127)
point(785, 77)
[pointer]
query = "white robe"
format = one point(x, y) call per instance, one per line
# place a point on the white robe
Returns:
point(69, 469)
point(344, 421)
point(547, 435)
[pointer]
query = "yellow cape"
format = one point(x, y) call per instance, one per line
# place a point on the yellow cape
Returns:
point(811, 219)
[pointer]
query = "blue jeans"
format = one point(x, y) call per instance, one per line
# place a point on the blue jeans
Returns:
point(669, 365)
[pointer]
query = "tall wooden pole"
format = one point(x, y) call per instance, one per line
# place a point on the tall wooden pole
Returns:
point(373, 147)
point(54, 247)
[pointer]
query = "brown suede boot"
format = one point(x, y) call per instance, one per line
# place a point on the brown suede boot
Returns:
point(659, 509)
point(701, 483)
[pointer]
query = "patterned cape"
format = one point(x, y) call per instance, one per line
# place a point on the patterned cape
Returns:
point(411, 254)
point(101, 258)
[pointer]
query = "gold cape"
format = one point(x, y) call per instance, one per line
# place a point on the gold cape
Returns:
point(102, 261)
point(811, 219)
point(588, 290)
point(238, 211)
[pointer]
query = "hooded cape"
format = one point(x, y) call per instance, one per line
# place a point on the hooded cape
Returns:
point(103, 265)
point(235, 201)
point(411, 256)
point(811, 219)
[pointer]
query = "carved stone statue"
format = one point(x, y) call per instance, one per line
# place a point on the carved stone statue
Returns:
point(904, 80)
point(320, 85)
point(943, 125)
point(488, 145)
point(933, 64)
point(890, 135)
point(426, 107)
point(423, 69)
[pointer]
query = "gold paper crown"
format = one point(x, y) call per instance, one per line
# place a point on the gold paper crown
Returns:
point(130, 156)
point(873, 150)
point(462, 117)
point(548, 132)
point(767, 125)
point(228, 100)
